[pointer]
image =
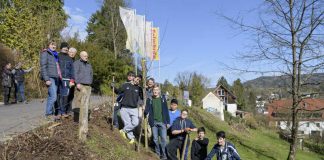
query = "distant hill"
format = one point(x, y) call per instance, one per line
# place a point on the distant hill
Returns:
point(280, 81)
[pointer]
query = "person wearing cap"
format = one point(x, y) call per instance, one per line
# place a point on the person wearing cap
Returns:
point(50, 73)
point(223, 149)
point(159, 120)
point(67, 79)
point(117, 105)
point(129, 108)
point(174, 113)
point(19, 79)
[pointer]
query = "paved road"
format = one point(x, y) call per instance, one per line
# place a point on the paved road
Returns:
point(20, 118)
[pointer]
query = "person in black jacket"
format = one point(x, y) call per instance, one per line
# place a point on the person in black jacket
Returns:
point(159, 120)
point(199, 145)
point(6, 82)
point(129, 109)
point(67, 81)
point(117, 105)
point(72, 52)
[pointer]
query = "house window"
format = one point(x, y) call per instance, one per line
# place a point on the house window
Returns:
point(307, 125)
point(317, 124)
point(221, 92)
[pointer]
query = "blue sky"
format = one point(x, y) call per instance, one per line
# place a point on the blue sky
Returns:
point(193, 37)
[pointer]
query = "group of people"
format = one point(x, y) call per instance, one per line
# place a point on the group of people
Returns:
point(14, 77)
point(164, 121)
point(61, 74)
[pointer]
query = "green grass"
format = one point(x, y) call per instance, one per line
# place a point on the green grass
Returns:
point(251, 144)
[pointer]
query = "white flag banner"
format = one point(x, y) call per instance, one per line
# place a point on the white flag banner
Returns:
point(140, 34)
point(148, 40)
point(128, 17)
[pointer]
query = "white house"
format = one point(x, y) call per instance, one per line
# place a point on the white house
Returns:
point(305, 127)
point(213, 103)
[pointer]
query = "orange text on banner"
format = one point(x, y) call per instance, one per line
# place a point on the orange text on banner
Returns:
point(155, 36)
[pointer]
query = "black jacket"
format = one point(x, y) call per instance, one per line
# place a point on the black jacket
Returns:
point(149, 110)
point(66, 66)
point(6, 78)
point(199, 149)
point(131, 95)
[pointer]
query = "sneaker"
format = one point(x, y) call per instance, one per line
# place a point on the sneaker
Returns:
point(123, 134)
point(132, 141)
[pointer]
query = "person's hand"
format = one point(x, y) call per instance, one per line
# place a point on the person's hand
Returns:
point(48, 83)
point(71, 84)
point(16, 81)
point(112, 85)
point(187, 130)
point(168, 126)
point(78, 86)
point(197, 139)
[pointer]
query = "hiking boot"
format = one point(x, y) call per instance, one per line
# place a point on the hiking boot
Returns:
point(132, 141)
point(65, 115)
point(123, 134)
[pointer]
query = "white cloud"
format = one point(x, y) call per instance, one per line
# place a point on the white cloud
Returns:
point(76, 23)
point(78, 19)
point(78, 9)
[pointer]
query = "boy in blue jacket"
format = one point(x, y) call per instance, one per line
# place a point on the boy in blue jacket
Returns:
point(224, 150)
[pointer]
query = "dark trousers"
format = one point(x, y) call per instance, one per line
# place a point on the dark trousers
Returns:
point(63, 95)
point(6, 94)
point(115, 118)
point(173, 147)
point(70, 100)
point(20, 91)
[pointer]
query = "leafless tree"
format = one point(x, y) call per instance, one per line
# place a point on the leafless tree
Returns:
point(288, 41)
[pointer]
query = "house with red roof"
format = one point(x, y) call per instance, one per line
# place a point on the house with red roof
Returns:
point(310, 113)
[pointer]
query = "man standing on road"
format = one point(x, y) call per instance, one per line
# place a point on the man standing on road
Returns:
point(129, 109)
point(19, 79)
point(51, 74)
point(159, 120)
point(6, 83)
point(67, 81)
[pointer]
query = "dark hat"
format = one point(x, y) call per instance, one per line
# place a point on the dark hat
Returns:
point(131, 73)
point(174, 101)
point(64, 44)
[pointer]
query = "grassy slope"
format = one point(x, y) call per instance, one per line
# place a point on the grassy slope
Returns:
point(252, 144)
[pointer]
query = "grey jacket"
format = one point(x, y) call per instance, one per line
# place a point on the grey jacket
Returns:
point(48, 66)
point(83, 72)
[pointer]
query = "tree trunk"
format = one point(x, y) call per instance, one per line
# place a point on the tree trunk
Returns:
point(85, 92)
point(144, 100)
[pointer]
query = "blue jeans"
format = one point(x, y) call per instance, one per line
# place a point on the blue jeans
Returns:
point(52, 97)
point(20, 90)
point(159, 130)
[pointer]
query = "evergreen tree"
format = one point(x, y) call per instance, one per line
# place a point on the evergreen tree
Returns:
point(238, 91)
point(223, 81)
